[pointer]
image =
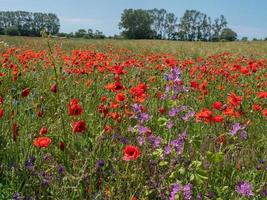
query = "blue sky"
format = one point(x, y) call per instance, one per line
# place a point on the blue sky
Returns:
point(246, 17)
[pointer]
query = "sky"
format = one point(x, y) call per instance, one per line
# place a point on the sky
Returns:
point(246, 17)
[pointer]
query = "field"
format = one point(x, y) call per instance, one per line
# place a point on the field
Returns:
point(122, 119)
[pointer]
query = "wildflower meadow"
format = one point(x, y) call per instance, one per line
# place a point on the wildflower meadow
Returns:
point(137, 120)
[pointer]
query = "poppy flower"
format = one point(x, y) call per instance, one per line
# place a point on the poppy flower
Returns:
point(234, 100)
point(43, 130)
point(131, 153)
point(25, 92)
point(62, 146)
point(1, 112)
point(79, 127)
point(1, 100)
point(217, 105)
point(205, 114)
point(74, 108)
point(262, 95)
point(120, 97)
point(218, 118)
point(15, 130)
point(53, 88)
point(42, 142)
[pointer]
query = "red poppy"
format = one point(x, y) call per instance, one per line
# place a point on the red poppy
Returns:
point(62, 146)
point(74, 108)
point(262, 95)
point(218, 118)
point(217, 105)
point(234, 100)
point(42, 142)
point(1, 100)
point(131, 153)
point(120, 97)
point(1, 112)
point(15, 130)
point(25, 92)
point(205, 114)
point(54, 88)
point(43, 130)
point(79, 127)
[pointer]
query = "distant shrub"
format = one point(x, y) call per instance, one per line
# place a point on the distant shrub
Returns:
point(12, 31)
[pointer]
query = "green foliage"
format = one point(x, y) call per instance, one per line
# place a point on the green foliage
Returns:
point(136, 24)
point(12, 31)
point(28, 23)
point(228, 35)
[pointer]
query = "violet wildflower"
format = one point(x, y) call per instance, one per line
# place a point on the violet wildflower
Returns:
point(167, 150)
point(188, 115)
point(264, 193)
point(243, 135)
point(235, 128)
point(169, 124)
point(136, 108)
point(140, 140)
point(16, 196)
point(187, 193)
point(29, 164)
point(178, 144)
point(155, 141)
point(143, 117)
point(244, 188)
point(60, 169)
point(143, 129)
point(175, 189)
point(174, 111)
point(100, 163)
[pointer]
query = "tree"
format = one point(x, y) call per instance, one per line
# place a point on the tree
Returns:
point(217, 27)
point(29, 24)
point(194, 26)
point(228, 35)
point(244, 39)
point(12, 31)
point(80, 33)
point(136, 24)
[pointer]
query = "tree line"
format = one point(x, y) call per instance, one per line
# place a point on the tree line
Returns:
point(160, 24)
point(28, 23)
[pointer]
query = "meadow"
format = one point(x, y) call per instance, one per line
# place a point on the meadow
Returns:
point(132, 119)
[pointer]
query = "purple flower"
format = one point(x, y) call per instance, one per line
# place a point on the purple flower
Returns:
point(29, 164)
point(175, 189)
point(235, 128)
point(243, 135)
point(16, 196)
point(143, 129)
point(187, 191)
point(264, 193)
point(169, 124)
point(136, 108)
point(60, 169)
point(174, 111)
point(188, 115)
point(178, 144)
point(140, 140)
point(100, 163)
point(244, 188)
point(167, 150)
point(174, 74)
point(143, 117)
point(155, 141)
